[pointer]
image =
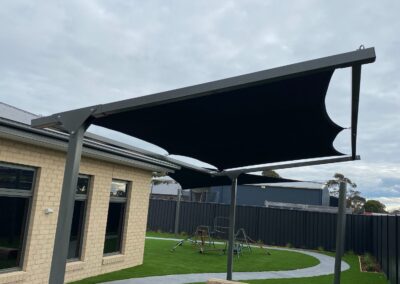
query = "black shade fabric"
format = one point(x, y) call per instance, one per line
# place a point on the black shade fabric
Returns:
point(274, 115)
point(279, 121)
point(189, 179)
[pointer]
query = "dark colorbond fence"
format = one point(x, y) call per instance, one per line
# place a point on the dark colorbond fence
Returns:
point(379, 235)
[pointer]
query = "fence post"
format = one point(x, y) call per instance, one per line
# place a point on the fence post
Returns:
point(177, 211)
point(340, 231)
point(231, 239)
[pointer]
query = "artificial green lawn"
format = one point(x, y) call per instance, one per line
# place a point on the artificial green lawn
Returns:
point(165, 235)
point(159, 260)
point(351, 276)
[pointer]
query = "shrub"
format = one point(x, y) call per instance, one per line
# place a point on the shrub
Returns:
point(369, 263)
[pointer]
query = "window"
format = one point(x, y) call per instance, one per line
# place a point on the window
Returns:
point(78, 219)
point(199, 194)
point(16, 187)
point(116, 216)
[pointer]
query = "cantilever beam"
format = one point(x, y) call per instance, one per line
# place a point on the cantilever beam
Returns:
point(343, 60)
point(280, 166)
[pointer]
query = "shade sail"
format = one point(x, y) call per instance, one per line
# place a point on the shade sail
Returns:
point(269, 116)
point(242, 127)
point(189, 179)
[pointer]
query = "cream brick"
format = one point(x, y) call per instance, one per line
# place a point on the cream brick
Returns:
point(41, 228)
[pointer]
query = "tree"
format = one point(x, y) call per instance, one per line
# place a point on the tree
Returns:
point(374, 206)
point(333, 184)
point(161, 180)
point(395, 212)
point(356, 202)
point(353, 198)
point(271, 173)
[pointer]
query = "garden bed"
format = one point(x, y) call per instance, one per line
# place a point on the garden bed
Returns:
point(368, 263)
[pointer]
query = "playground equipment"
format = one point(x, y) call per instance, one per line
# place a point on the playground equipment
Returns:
point(204, 238)
point(221, 228)
point(242, 241)
point(200, 238)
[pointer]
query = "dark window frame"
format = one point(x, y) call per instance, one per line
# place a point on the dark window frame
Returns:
point(85, 198)
point(27, 194)
point(125, 201)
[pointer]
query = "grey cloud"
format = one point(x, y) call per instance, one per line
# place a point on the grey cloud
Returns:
point(63, 55)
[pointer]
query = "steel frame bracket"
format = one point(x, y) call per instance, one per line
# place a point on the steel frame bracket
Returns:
point(231, 175)
point(72, 121)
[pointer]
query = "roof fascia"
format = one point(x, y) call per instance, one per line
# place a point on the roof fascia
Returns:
point(49, 137)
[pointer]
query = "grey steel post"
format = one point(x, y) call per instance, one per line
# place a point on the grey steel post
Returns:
point(231, 238)
point(65, 213)
point(340, 231)
point(177, 211)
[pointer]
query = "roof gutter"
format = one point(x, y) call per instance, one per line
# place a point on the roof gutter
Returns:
point(59, 141)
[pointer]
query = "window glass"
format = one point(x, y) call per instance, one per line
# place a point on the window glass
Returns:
point(13, 213)
point(78, 219)
point(115, 222)
point(75, 240)
point(16, 185)
point(115, 217)
point(118, 188)
point(16, 178)
point(83, 185)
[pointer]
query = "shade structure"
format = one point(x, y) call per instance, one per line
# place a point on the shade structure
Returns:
point(240, 127)
point(264, 117)
point(189, 179)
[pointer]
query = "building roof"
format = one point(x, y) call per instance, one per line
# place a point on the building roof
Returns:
point(15, 124)
point(15, 114)
point(165, 188)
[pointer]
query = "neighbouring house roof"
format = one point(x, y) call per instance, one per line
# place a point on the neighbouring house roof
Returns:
point(298, 184)
point(165, 188)
point(15, 124)
point(304, 207)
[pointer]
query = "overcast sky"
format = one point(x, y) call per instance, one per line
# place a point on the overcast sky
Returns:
point(60, 55)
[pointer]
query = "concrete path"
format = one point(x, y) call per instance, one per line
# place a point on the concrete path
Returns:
point(325, 267)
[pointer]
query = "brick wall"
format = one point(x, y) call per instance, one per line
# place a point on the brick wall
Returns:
point(41, 227)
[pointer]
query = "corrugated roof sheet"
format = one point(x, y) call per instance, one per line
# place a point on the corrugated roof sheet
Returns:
point(16, 114)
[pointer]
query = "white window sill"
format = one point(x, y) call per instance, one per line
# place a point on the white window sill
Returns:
point(109, 259)
point(12, 277)
point(74, 266)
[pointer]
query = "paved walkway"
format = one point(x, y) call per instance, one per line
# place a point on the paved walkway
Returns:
point(325, 267)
